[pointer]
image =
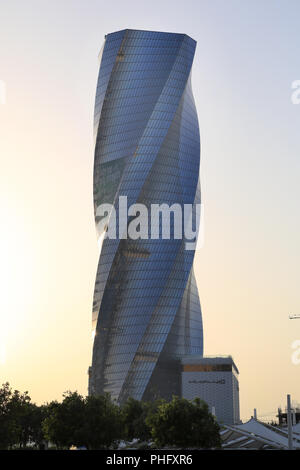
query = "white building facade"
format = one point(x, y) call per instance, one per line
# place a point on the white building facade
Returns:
point(214, 380)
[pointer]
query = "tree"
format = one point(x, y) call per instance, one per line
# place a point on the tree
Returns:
point(35, 420)
point(8, 432)
point(94, 422)
point(65, 420)
point(103, 425)
point(134, 415)
point(21, 412)
point(17, 423)
point(183, 423)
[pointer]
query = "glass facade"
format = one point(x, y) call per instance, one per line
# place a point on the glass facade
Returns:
point(146, 310)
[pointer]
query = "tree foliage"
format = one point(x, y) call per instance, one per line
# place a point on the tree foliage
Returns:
point(183, 423)
point(20, 420)
point(103, 425)
point(97, 422)
point(65, 420)
point(134, 415)
point(94, 422)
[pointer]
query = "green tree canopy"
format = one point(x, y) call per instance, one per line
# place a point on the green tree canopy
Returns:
point(8, 432)
point(97, 422)
point(65, 421)
point(183, 423)
point(94, 422)
point(20, 420)
point(103, 425)
point(134, 415)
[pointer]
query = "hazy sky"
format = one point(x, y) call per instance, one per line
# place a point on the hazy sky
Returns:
point(248, 270)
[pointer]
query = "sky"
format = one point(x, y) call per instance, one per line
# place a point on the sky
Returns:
point(248, 269)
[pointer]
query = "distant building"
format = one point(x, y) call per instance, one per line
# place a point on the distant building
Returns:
point(214, 380)
point(282, 416)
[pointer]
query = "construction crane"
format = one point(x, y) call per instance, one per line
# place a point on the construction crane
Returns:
point(294, 317)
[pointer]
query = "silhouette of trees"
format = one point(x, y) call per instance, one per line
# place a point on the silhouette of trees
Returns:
point(20, 420)
point(97, 422)
point(134, 415)
point(64, 421)
point(183, 423)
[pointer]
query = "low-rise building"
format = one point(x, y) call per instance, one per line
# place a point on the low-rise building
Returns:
point(214, 380)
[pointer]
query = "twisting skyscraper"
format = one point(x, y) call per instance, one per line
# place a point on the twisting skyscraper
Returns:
point(146, 310)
